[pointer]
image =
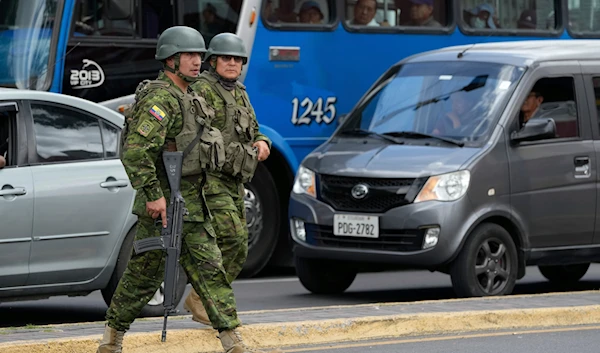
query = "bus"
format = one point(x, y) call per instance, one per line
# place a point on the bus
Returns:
point(310, 61)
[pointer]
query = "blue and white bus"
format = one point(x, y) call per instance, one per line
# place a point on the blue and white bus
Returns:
point(311, 60)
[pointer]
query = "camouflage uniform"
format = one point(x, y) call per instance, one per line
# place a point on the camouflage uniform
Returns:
point(224, 192)
point(152, 126)
point(151, 131)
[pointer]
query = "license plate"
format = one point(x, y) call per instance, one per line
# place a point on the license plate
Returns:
point(356, 225)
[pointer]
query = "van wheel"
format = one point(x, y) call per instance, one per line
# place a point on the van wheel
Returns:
point(263, 215)
point(155, 305)
point(324, 277)
point(487, 264)
point(564, 274)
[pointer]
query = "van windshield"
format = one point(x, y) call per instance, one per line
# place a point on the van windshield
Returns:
point(454, 101)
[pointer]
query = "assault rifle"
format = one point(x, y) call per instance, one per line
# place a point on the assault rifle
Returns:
point(170, 238)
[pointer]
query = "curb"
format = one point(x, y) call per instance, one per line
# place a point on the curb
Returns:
point(326, 331)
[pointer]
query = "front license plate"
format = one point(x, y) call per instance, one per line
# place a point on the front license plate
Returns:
point(356, 225)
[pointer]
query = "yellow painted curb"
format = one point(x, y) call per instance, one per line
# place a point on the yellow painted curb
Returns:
point(326, 331)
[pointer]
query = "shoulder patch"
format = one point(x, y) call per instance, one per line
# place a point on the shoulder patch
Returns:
point(158, 113)
point(145, 128)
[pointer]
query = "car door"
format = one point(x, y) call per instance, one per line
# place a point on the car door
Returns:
point(591, 71)
point(82, 194)
point(16, 199)
point(553, 181)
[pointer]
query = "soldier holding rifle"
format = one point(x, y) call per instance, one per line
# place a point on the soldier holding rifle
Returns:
point(168, 116)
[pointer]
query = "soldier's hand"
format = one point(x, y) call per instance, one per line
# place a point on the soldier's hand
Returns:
point(263, 150)
point(158, 208)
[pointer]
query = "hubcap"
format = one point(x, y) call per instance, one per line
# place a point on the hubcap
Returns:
point(492, 266)
point(253, 216)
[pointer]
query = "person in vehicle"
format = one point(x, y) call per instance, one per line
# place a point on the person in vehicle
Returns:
point(364, 13)
point(531, 105)
point(482, 16)
point(421, 14)
point(456, 118)
point(310, 12)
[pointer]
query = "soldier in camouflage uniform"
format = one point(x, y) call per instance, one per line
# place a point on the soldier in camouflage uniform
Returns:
point(168, 115)
point(244, 145)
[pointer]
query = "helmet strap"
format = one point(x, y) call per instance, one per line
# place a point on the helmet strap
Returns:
point(188, 79)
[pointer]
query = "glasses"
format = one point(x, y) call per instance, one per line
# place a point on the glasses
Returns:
point(227, 58)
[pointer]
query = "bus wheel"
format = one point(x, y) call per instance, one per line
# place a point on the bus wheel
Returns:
point(262, 217)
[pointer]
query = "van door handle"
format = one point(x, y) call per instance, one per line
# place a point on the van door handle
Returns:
point(582, 167)
point(13, 192)
point(114, 184)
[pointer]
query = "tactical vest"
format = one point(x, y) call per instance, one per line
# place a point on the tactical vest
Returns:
point(241, 159)
point(202, 145)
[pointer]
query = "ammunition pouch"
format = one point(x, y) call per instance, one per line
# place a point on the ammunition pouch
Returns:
point(241, 161)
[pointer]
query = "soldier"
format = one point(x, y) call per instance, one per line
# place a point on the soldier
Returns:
point(244, 145)
point(167, 115)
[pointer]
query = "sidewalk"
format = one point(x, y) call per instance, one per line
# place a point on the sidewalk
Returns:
point(288, 327)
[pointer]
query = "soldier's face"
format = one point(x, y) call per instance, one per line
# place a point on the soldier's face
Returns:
point(189, 64)
point(229, 67)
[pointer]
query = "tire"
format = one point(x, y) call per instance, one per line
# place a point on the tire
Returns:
point(564, 274)
point(261, 199)
point(155, 305)
point(483, 250)
point(324, 277)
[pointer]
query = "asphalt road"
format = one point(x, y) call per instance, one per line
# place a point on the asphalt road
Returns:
point(278, 292)
point(583, 339)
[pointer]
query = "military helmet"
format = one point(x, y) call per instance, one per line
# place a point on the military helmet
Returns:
point(227, 44)
point(179, 39)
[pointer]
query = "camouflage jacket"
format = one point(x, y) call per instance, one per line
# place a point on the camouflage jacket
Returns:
point(151, 128)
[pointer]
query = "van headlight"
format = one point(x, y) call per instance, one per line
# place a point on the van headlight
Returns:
point(305, 182)
point(445, 187)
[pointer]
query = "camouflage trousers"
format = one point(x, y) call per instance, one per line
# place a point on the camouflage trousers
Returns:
point(202, 262)
point(225, 200)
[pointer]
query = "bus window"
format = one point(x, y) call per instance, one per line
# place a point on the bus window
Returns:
point(156, 16)
point(517, 14)
point(302, 12)
point(92, 18)
point(211, 17)
point(423, 13)
point(584, 17)
point(371, 13)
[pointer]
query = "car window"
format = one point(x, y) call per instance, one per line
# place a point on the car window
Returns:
point(553, 97)
point(63, 134)
point(110, 137)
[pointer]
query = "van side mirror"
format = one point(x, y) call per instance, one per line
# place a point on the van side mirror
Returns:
point(535, 129)
point(341, 118)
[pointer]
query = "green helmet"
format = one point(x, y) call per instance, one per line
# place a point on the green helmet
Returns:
point(179, 39)
point(227, 44)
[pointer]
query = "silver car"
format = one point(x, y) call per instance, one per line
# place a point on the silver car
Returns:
point(65, 199)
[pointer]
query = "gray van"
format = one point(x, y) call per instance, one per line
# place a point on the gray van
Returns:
point(475, 161)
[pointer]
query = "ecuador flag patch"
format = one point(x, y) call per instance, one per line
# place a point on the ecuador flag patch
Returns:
point(157, 113)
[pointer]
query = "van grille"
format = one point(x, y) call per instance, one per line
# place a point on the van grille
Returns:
point(383, 194)
point(389, 239)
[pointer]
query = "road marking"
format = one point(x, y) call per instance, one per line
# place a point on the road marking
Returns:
point(331, 346)
point(271, 280)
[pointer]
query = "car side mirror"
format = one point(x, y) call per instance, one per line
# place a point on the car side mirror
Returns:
point(341, 118)
point(535, 129)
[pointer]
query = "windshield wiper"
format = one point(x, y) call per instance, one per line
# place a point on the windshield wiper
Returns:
point(415, 134)
point(371, 133)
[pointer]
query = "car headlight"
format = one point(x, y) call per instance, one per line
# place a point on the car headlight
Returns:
point(445, 187)
point(305, 182)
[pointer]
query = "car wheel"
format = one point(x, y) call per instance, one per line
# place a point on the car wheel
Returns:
point(155, 305)
point(564, 274)
point(324, 277)
point(487, 265)
point(262, 217)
